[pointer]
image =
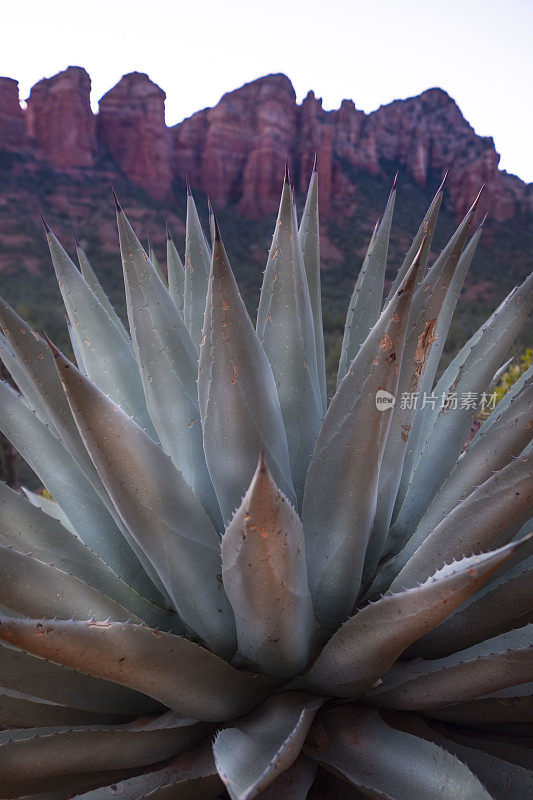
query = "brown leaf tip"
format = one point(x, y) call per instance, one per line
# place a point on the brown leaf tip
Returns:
point(117, 204)
point(46, 226)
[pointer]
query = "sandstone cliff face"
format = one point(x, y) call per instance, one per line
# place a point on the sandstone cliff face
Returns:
point(131, 126)
point(60, 121)
point(236, 151)
point(12, 124)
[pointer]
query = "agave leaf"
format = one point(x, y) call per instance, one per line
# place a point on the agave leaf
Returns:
point(155, 263)
point(45, 504)
point(107, 357)
point(75, 349)
point(168, 364)
point(189, 776)
point(366, 300)
point(442, 446)
point(161, 511)
point(383, 762)
point(204, 687)
point(22, 673)
point(364, 648)
point(423, 236)
point(251, 755)
point(239, 405)
point(176, 274)
point(503, 604)
point(505, 660)
point(37, 362)
point(294, 783)
point(62, 786)
point(66, 483)
point(34, 588)
point(197, 267)
point(340, 493)
point(452, 283)
point(498, 775)
point(93, 282)
point(27, 529)
point(504, 438)
point(285, 329)
point(494, 511)
point(32, 755)
point(265, 577)
point(23, 711)
point(426, 417)
point(310, 243)
point(431, 313)
point(24, 386)
point(508, 748)
point(514, 705)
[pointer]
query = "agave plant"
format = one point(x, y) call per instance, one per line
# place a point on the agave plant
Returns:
point(239, 589)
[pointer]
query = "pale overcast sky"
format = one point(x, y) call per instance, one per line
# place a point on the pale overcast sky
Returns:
point(479, 51)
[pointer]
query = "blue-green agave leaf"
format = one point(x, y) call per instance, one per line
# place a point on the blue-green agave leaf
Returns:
point(107, 357)
point(155, 263)
point(310, 244)
point(239, 405)
point(67, 484)
point(504, 603)
point(23, 673)
point(46, 504)
point(189, 776)
point(421, 421)
point(93, 282)
point(265, 577)
point(366, 300)
point(508, 432)
point(424, 236)
point(33, 588)
point(37, 362)
point(500, 746)
point(471, 372)
point(29, 530)
point(363, 649)
point(511, 705)
point(498, 775)
point(176, 274)
point(159, 508)
point(506, 660)
point(340, 493)
point(168, 364)
point(62, 786)
point(30, 396)
point(294, 783)
point(384, 762)
point(34, 756)
point(494, 511)
point(197, 267)
point(178, 673)
point(23, 711)
point(285, 329)
point(260, 747)
point(75, 349)
point(431, 314)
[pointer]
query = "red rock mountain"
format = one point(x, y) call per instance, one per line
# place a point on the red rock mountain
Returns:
point(58, 157)
point(235, 152)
